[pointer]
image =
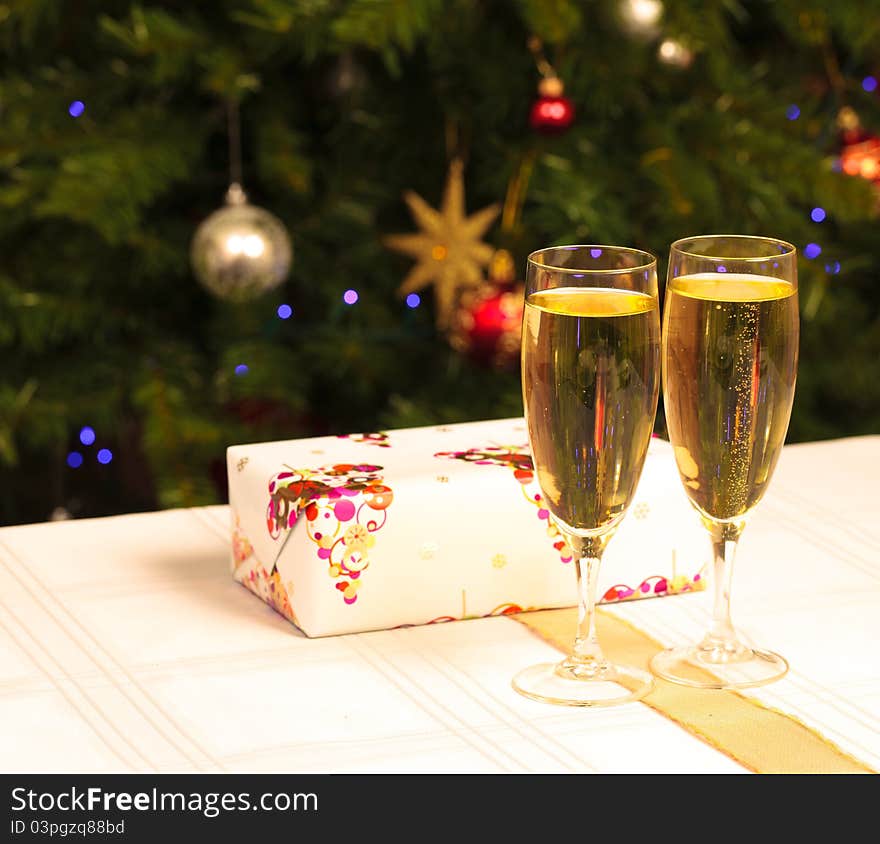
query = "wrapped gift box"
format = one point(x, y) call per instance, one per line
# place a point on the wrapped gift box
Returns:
point(381, 530)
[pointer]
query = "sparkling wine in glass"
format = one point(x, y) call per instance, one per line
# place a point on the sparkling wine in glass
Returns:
point(730, 350)
point(590, 377)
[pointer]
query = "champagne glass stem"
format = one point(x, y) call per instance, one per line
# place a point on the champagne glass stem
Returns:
point(588, 558)
point(585, 677)
point(721, 638)
point(729, 663)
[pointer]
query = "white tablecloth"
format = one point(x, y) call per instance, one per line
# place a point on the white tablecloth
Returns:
point(126, 646)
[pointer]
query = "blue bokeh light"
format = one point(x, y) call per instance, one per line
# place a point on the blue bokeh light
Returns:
point(793, 112)
point(87, 435)
point(832, 268)
point(74, 460)
point(105, 456)
point(413, 300)
point(241, 369)
point(812, 250)
point(869, 83)
point(817, 214)
point(76, 108)
point(285, 312)
point(350, 297)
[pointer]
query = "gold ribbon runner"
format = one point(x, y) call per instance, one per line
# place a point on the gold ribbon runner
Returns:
point(758, 737)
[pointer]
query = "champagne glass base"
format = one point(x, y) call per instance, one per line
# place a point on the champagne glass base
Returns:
point(705, 668)
point(569, 684)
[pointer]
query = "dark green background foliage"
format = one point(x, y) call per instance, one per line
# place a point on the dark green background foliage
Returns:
point(345, 104)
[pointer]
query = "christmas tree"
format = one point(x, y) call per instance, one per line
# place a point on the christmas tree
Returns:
point(125, 379)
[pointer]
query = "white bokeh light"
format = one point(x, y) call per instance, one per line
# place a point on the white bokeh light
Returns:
point(641, 17)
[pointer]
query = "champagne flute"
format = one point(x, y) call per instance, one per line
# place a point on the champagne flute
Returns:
point(590, 377)
point(730, 350)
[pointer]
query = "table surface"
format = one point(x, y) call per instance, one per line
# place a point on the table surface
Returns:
point(126, 646)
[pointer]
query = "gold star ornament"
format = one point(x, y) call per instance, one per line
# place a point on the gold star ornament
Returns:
point(448, 251)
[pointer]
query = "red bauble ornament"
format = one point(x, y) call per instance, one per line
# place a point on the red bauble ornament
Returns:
point(487, 324)
point(551, 113)
point(862, 159)
point(860, 150)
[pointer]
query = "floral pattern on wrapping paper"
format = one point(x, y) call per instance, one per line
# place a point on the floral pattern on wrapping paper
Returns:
point(343, 506)
point(253, 576)
point(518, 459)
point(501, 609)
point(379, 438)
point(655, 585)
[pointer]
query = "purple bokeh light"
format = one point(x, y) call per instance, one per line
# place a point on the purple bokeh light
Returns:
point(76, 108)
point(812, 250)
point(350, 296)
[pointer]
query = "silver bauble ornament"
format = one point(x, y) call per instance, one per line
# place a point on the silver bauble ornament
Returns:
point(240, 251)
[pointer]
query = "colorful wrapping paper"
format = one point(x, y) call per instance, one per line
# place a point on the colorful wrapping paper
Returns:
point(388, 529)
